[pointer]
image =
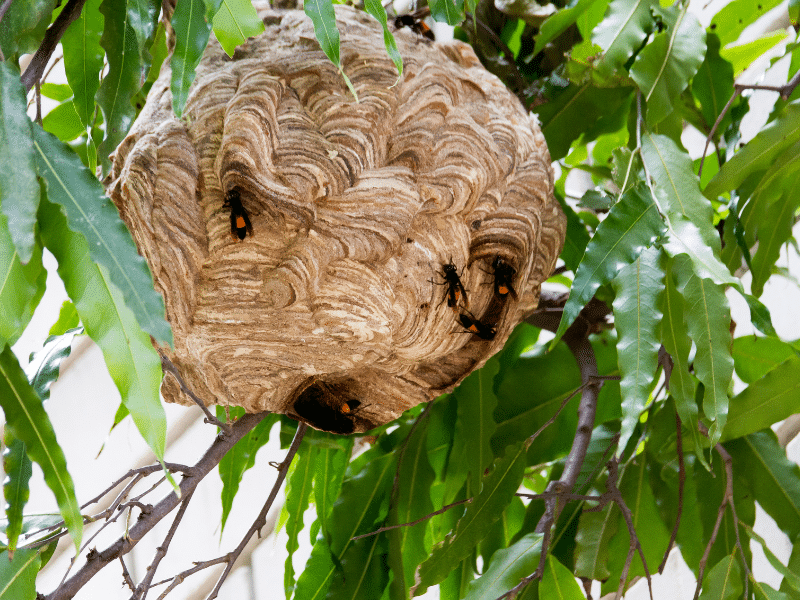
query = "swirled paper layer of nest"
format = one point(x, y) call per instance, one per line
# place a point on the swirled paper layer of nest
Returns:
point(332, 309)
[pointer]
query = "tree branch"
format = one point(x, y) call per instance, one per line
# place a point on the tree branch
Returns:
point(412, 523)
point(167, 365)
point(97, 560)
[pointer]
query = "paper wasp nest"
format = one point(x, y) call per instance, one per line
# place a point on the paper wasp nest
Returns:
point(389, 245)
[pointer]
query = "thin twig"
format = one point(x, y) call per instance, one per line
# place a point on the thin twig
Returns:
point(126, 576)
point(222, 444)
point(52, 36)
point(412, 523)
point(681, 482)
point(167, 365)
point(4, 9)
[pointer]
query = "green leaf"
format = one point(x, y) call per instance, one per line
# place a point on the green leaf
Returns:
point(627, 166)
point(632, 225)
point(363, 575)
point(22, 27)
point(83, 59)
point(504, 530)
point(708, 321)
point(235, 21)
point(18, 576)
point(754, 357)
point(744, 55)
point(677, 187)
point(664, 67)
point(729, 22)
point(16, 489)
point(636, 316)
point(30, 424)
point(559, 21)
point(132, 362)
point(63, 122)
point(354, 513)
point(322, 15)
point(507, 567)
point(576, 240)
point(191, 37)
point(759, 153)
point(764, 402)
point(19, 190)
point(56, 91)
point(124, 77)
point(298, 493)
point(558, 582)
point(475, 425)
point(724, 580)
point(791, 577)
point(486, 507)
point(713, 84)
point(412, 502)
point(331, 465)
point(91, 215)
point(21, 287)
point(774, 479)
point(686, 239)
point(67, 319)
point(447, 11)
point(375, 8)
point(595, 530)
point(765, 592)
point(623, 29)
point(45, 365)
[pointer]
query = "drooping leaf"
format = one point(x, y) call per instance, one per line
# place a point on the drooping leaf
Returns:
point(754, 357)
point(759, 153)
point(708, 321)
point(508, 566)
point(712, 86)
point(790, 576)
point(132, 362)
point(764, 402)
point(16, 489)
point(498, 488)
point(632, 225)
point(22, 27)
point(595, 530)
point(375, 8)
point(83, 59)
point(45, 365)
point(331, 465)
point(21, 287)
point(664, 67)
point(412, 502)
point(765, 592)
point(324, 18)
point(235, 21)
point(191, 37)
point(576, 240)
point(684, 238)
point(447, 11)
point(364, 574)
point(636, 316)
point(18, 576)
point(558, 582)
point(624, 28)
point(92, 216)
point(724, 580)
point(298, 493)
point(19, 190)
point(30, 424)
point(475, 426)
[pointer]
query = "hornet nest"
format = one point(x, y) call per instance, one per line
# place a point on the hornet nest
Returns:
point(334, 260)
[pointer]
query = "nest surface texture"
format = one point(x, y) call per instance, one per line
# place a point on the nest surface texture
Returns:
point(337, 306)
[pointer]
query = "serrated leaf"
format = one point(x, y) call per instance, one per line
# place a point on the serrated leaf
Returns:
point(507, 567)
point(637, 318)
point(729, 22)
point(486, 507)
point(22, 27)
point(132, 362)
point(191, 38)
point(18, 576)
point(447, 11)
point(724, 580)
point(759, 153)
point(475, 426)
point(355, 512)
point(331, 466)
point(713, 84)
point(30, 424)
point(677, 187)
point(559, 21)
point(83, 59)
point(664, 67)
point(298, 493)
point(235, 21)
point(754, 357)
point(558, 582)
point(91, 215)
point(412, 502)
point(623, 29)
point(19, 190)
point(764, 402)
point(21, 287)
point(632, 225)
point(595, 530)
point(708, 321)
point(375, 8)
point(16, 489)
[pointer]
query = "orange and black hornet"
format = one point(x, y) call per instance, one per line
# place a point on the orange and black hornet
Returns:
point(473, 325)
point(455, 289)
point(240, 221)
point(504, 275)
point(414, 21)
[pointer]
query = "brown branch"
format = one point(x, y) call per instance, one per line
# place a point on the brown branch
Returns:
point(412, 523)
point(97, 560)
point(681, 482)
point(4, 8)
point(51, 38)
point(126, 576)
point(167, 365)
